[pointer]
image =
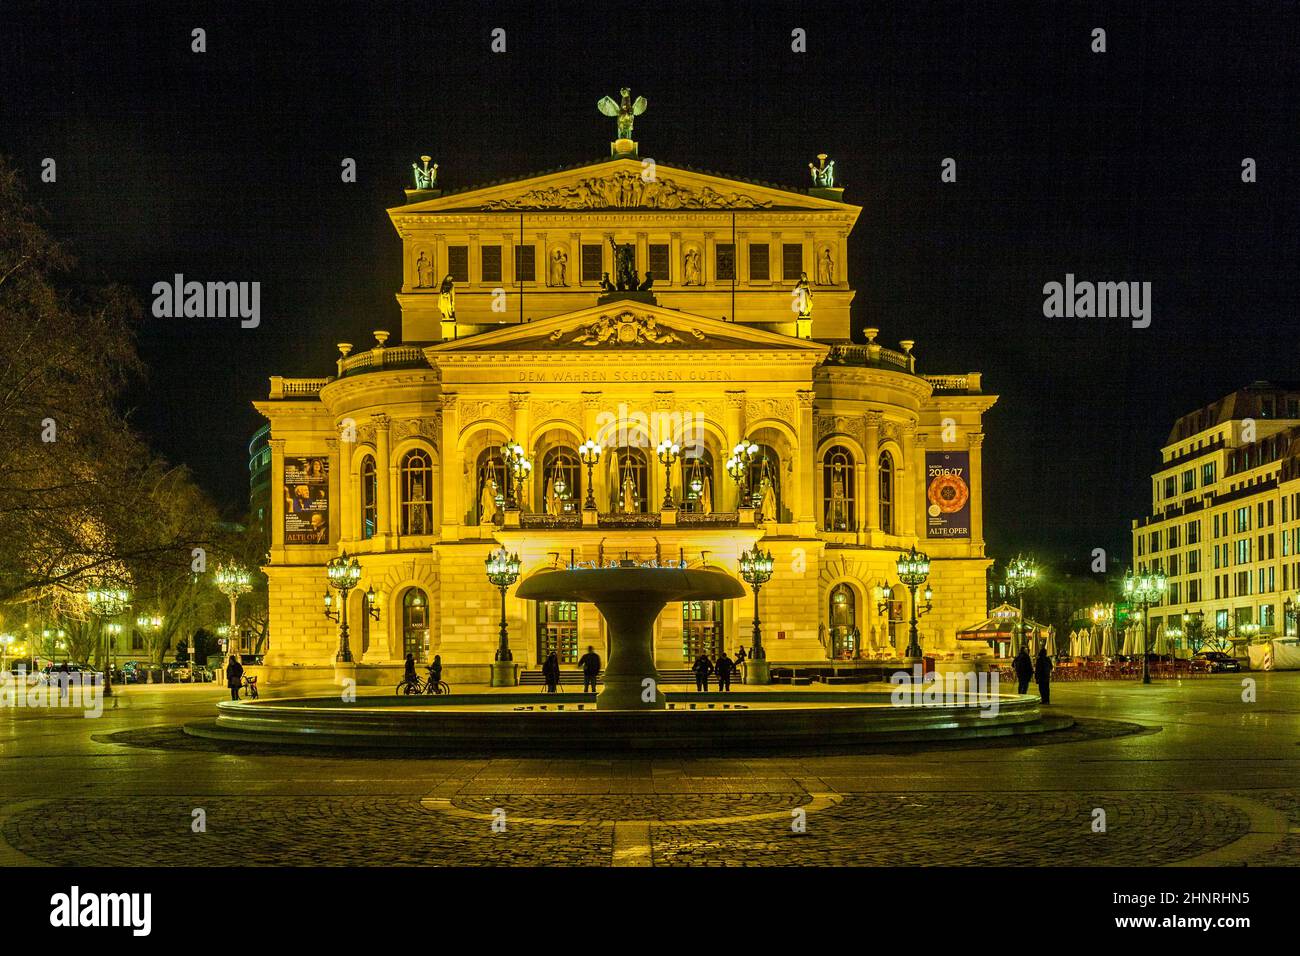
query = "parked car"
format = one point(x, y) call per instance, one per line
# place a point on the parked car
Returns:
point(1220, 663)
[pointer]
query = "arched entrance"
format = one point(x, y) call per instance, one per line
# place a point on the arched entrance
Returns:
point(845, 636)
point(702, 629)
point(415, 624)
point(557, 631)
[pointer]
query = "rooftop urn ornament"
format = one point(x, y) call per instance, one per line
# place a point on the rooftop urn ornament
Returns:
point(823, 176)
point(625, 111)
point(426, 177)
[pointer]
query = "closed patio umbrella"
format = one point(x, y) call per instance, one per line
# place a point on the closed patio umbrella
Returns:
point(1051, 642)
point(1108, 642)
point(1161, 648)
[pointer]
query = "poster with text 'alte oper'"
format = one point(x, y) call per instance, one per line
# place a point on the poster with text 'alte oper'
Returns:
point(306, 501)
point(947, 494)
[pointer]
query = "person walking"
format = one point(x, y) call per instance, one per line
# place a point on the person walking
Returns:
point(234, 676)
point(702, 669)
point(740, 658)
point(551, 672)
point(724, 668)
point(590, 664)
point(1043, 675)
point(1024, 668)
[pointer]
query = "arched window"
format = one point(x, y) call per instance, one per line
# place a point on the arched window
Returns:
point(698, 483)
point(844, 622)
point(417, 492)
point(765, 483)
point(840, 508)
point(629, 481)
point(886, 492)
point(490, 485)
point(561, 481)
point(415, 623)
point(369, 498)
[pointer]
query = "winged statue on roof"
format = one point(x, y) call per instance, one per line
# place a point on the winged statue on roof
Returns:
point(626, 110)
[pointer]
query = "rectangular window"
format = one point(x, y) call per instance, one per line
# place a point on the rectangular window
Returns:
point(1193, 562)
point(593, 262)
point(760, 262)
point(1207, 475)
point(1171, 487)
point(491, 262)
point(725, 261)
point(1189, 480)
point(1193, 531)
point(791, 261)
point(1173, 536)
point(525, 263)
point(458, 263)
point(658, 265)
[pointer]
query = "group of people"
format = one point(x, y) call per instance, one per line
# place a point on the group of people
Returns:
point(589, 662)
point(722, 665)
point(1037, 669)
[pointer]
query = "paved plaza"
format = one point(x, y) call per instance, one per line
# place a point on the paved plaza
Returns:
point(1184, 773)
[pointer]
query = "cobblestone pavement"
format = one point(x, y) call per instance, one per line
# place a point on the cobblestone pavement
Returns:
point(1178, 774)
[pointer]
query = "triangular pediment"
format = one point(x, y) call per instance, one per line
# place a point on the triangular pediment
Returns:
point(624, 183)
point(631, 327)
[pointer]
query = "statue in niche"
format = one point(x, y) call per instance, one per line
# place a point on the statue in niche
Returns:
point(559, 276)
point(692, 267)
point(706, 496)
point(826, 268)
point(767, 497)
point(624, 265)
point(424, 271)
point(426, 177)
point(488, 500)
point(629, 495)
point(447, 299)
point(606, 287)
point(839, 512)
point(803, 297)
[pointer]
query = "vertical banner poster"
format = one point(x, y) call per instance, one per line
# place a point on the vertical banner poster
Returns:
point(947, 494)
point(306, 501)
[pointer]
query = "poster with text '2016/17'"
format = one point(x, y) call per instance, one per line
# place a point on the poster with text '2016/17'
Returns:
point(306, 501)
point(947, 494)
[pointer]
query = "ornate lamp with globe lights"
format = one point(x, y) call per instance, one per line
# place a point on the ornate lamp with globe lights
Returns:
point(1022, 574)
point(589, 453)
point(232, 581)
point(913, 569)
point(669, 452)
point(756, 570)
point(502, 571)
point(342, 573)
point(1145, 589)
point(105, 603)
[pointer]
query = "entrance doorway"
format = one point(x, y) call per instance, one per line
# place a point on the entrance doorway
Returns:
point(557, 631)
point(415, 624)
point(701, 629)
point(845, 637)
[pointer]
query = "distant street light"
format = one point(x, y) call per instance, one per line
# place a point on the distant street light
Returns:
point(589, 453)
point(669, 452)
point(756, 570)
point(913, 569)
point(105, 603)
point(342, 573)
point(232, 581)
point(1022, 574)
point(502, 571)
point(1145, 589)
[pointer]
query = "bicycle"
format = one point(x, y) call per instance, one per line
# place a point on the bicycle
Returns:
point(410, 686)
point(249, 685)
point(441, 687)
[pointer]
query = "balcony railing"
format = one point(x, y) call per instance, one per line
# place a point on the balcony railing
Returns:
point(282, 387)
point(395, 356)
point(872, 356)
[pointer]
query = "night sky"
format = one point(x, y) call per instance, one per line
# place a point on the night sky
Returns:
point(1118, 166)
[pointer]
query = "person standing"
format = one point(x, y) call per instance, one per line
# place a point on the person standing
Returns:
point(1024, 668)
point(1043, 675)
point(725, 666)
point(234, 676)
point(409, 674)
point(702, 670)
point(740, 658)
point(65, 678)
point(551, 672)
point(590, 664)
point(435, 674)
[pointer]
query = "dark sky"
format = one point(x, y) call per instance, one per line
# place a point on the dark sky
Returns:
point(1117, 166)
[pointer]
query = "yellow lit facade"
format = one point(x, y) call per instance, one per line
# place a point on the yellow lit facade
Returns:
point(397, 456)
point(1225, 515)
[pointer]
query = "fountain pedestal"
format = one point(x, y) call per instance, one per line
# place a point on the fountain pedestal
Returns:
point(630, 597)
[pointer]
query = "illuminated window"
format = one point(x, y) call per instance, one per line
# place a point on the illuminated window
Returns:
point(417, 492)
point(369, 498)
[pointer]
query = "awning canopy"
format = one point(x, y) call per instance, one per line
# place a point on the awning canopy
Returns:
point(1001, 625)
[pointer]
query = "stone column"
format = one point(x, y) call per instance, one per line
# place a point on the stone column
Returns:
point(913, 482)
point(871, 449)
point(439, 261)
point(806, 512)
point(642, 254)
point(735, 431)
point(383, 481)
point(338, 480)
point(674, 276)
point(474, 268)
point(975, 442)
point(741, 262)
point(508, 240)
point(522, 423)
point(453, 505)
point(919, 506)
point(277, 493)
point(709, 257)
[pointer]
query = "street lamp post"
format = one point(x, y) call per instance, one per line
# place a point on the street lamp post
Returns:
point(502, 571)
point(342, 574)
point(589, 453)
point(1022, 574)
point(106, 603)
point(913, 569)
point(669, 452)
point(1145, 589)
point(737, 467)
point(152, 624)
point(232, 581)
point(518, 468)
point(756, 570)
